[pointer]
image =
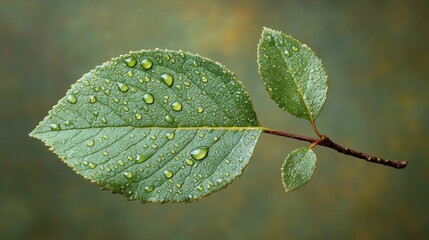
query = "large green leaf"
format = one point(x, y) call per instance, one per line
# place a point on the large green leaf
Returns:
point(292, 74)
point(155, 125)
point(298, 168)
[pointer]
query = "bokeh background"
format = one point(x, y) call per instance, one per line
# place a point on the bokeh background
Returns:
point(376, 55)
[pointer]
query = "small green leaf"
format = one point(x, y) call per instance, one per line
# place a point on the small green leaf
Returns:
point(155, 125)
point(298, 168)
point(292, 74)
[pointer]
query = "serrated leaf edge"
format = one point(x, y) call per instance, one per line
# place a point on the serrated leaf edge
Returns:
point(33, 134)
point(104, 188)
point(122, 56)
point(284, 163)
point(312, 117)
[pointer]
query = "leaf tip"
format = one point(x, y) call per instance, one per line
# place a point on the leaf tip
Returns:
point(33, 133)
point(264, 29)
point(267, 30)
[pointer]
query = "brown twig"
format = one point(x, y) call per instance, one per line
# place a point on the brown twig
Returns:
point(326, 142)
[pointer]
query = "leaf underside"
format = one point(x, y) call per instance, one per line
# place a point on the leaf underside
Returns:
point(155, 125)
point(298, 168)
point(292, 74)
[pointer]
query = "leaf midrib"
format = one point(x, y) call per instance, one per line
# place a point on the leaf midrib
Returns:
point(299, 88)
point(163, 128)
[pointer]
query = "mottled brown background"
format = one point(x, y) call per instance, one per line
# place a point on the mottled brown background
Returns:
point(376, 55)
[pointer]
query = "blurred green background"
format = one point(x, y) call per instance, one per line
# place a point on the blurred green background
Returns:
point(376, 56)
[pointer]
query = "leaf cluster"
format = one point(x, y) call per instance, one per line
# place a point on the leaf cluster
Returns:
point(170, 126)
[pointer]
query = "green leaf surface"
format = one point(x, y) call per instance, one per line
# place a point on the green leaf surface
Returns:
point(298, 168)
point(292, 74)
point(155, 125)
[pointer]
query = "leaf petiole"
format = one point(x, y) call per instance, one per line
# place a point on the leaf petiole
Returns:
point(313, 125)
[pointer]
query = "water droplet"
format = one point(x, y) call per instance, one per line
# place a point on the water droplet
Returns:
point(146, 63)
point(169, 135)
point(120, 162)
point(253, 137)
point(168, 174)
point(140, 158)
point(92, 99)
point(148, 98)
point(286, 52)
point(128, 175)
point(204, 79)
point(165, 98)
point(189, 162)
point(199, 153)
point(68, 123)
point(295, 48)
point(200, 188)
point(167, 79)
point(104, 120)
point(148, 189)
point(200, 109)
point(227, 161)
point(123, 87)
point(138, 116)
point(131, 61)
point(90, 143)
point(227, 174)
point(176, 106)
point(107, 92)
point(71, 99)
point(105, 153)
point(178, 185)
point(91, 165)
point(168, 118)
point(55, 127)
point(130, 74)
